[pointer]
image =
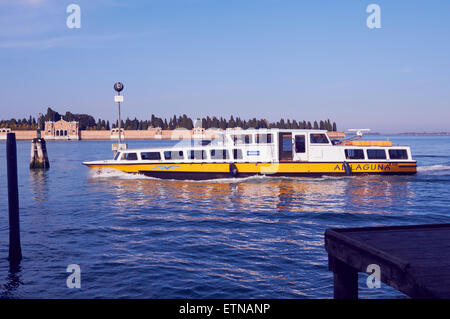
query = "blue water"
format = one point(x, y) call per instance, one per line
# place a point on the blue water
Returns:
point(258, 237)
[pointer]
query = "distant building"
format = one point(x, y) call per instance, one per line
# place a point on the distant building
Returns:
point(157, 132)
point(3, 132)
point(62, 130)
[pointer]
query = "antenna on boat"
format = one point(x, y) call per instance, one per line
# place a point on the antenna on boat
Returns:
point(358, 134)
point(359, 131)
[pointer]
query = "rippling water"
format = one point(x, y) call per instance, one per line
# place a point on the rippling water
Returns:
point(261, 237)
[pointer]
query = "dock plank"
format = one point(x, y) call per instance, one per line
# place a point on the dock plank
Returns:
point(413, 259)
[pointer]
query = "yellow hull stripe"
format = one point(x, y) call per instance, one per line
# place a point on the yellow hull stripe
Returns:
point(266, 168)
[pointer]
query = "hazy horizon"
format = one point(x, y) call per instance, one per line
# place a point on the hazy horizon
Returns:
point(266, 59)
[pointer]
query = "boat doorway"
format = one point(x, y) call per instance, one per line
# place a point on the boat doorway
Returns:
point(285, 147)
point(300, 148)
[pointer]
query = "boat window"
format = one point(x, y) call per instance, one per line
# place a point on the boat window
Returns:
point(205, 142)
point(398, 154)
point(354, 153)
point(317, 138)
point(197, 154)
point(237, 139)
point(117, 156)
point(129, 156)
point(151, 156)
point(219, 154)
point(376, 154)
point(264, 138)
point(173, 155)
point(300, 146)
point(287, 144)
point(242, 139)
point(237, 154)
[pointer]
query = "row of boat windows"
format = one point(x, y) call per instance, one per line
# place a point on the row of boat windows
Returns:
point(315, 138)
point(248, 139)
point(221, 154)
point(300, 142)
point(395, 154)
point(179, 155)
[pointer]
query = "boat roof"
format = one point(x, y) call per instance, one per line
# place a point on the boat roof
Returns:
point(259, 130)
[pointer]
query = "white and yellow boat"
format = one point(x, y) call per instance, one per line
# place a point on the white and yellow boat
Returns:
point(278, 152)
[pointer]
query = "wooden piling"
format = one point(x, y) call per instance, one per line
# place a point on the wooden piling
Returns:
point(15, 250)
point(345, 279)
point(39, 157)
point(413, 259)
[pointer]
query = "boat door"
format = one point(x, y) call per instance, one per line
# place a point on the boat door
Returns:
point(285, 146)
point(300, 151)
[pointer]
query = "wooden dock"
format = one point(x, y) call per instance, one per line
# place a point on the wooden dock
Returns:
point(412, 259)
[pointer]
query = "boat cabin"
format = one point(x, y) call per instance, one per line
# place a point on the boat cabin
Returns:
point(269, 145)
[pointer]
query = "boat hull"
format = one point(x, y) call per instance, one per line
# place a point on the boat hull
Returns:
point(205, 171)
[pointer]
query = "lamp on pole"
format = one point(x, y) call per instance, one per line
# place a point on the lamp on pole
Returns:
point(118, 86)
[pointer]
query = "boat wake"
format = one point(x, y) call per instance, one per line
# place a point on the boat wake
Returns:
point(434, 169)
point(432, 156)
point(110, 173)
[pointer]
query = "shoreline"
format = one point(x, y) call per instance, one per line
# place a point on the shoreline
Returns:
point(153, 134)
point(103, 135)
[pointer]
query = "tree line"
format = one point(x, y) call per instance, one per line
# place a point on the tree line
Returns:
point(20, 124)
point(87, 122)
point(214, 122)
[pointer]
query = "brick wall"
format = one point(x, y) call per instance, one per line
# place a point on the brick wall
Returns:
point(336, 134)
point(136, 135)
point(21, 135)
point(95, 135)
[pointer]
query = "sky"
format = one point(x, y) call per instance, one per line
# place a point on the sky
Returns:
point(301, 59)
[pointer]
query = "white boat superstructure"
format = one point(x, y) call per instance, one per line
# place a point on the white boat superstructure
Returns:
point(262, 151)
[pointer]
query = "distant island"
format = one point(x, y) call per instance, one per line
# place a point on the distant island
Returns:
point(88, 122)
point(424, 133)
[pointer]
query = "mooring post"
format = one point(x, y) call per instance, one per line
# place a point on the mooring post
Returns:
point(42, 153)
point(15, 250)
point(345, 279)
point(33, 153)
point(39, 157)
